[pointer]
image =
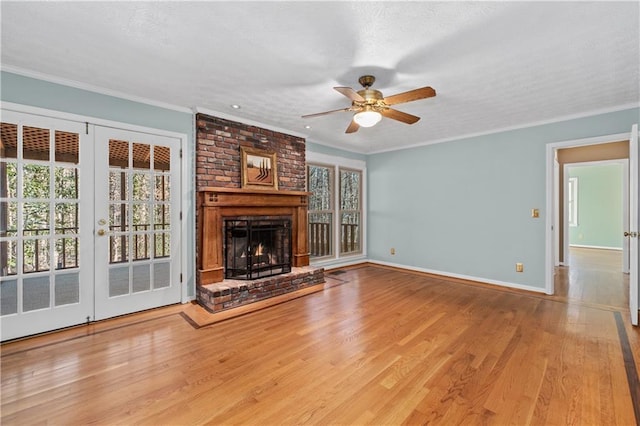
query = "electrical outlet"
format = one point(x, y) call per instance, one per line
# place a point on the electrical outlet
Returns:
point(393, 251)
point(519, 267)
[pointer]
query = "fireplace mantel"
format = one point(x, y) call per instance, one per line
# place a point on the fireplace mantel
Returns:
point(216, 204)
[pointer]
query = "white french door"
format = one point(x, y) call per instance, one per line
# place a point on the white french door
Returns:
point(634, 224)
point(89, 223)
point(46, 241)
point(137, 214)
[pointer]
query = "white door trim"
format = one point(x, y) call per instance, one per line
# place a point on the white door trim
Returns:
point(550, 202)
point(187, 182)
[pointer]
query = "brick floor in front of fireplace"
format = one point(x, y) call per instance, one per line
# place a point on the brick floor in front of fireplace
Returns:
point(233, 293)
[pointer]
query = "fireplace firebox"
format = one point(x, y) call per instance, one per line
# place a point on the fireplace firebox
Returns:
point(257, 247)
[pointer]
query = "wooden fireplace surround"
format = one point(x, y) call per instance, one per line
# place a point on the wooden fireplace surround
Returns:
point(216, 204)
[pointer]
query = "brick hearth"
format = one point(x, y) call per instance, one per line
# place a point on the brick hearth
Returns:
point(232, 293)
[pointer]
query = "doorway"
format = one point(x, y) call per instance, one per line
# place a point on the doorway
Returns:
point(89, 223)
point(552, 234)
point(596, 210)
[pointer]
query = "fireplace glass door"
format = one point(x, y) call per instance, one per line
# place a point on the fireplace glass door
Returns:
point(257, 247)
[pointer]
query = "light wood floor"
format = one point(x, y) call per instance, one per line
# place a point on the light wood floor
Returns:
point(594, 276)
point(380, 346)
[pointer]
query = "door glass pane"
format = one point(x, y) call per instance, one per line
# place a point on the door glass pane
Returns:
point(8, 219)
point(161, 158)
point(163, 188)
point(67, 289)
point(36, 294)
point(140, 246)
point(118, 248)
point(8, 297)
point(141, 186)
point(35, 217)
point(66, 217)
point(141, 156)
point(66, 253)
point(118, 281)
point(162, 244)
point(9, 140)
point(9, 257)
point(118, 185)
point(66, 182)
point(118, 153)
point(141, 278)
point(161, 275)
point(9, 180)
point(140, 217)
point(35, 181)
point(36, 255)
point(66, 146)
point(35, 143)
point(118, 216)
point(161, 217)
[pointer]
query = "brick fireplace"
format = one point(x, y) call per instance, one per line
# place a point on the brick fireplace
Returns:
point(221, 199)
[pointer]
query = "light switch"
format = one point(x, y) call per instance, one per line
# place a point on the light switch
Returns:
point(535, 212)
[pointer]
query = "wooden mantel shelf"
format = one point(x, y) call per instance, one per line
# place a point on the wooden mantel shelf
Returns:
point(217, 204)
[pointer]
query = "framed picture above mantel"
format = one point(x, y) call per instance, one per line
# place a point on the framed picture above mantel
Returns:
point(259, 168)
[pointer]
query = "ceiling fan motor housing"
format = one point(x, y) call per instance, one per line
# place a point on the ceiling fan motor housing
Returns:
point(371, 97)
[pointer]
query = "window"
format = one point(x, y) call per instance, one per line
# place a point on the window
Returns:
point(336, 217)
point(572, 201)
point(350, 213)
point(319, 183)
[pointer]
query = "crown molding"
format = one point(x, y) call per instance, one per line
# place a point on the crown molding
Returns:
point(91, 88)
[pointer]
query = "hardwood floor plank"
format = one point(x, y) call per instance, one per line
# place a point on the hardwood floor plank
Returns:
point(384, 347)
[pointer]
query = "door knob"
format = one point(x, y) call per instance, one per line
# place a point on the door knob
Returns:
point(630, 234)
point(101, 232)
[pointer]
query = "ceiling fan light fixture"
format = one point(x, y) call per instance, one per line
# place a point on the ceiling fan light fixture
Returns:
point(367, 118)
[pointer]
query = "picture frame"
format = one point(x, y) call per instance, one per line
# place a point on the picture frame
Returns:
point(259, 168)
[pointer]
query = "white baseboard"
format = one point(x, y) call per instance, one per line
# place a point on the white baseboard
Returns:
point(460, 276)
point(339, 263)
point(595, 247)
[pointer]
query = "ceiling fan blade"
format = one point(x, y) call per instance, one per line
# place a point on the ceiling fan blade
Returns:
point(353, 127)
point(350, 93)
point(399, 115)
point(327, 112)
point(411, 95)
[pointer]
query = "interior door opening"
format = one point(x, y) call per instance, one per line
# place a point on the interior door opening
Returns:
point(555, 235)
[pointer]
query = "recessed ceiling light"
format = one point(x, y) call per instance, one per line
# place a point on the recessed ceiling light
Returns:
point(307, 127)
point(235, 106)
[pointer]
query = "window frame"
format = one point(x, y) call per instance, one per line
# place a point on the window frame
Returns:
point(331, 211)
point(340, 211)
point(338, 163)
point(572, 201)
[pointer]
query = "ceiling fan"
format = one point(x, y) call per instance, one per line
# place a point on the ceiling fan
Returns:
point(369, 105)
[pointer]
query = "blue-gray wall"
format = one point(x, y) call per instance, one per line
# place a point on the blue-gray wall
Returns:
point(464, 207)
point(42, 94)
point(461, 207)
point(324, 149)
point(599, 206)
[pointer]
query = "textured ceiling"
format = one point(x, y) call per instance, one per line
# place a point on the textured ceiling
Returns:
point(494, 65)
